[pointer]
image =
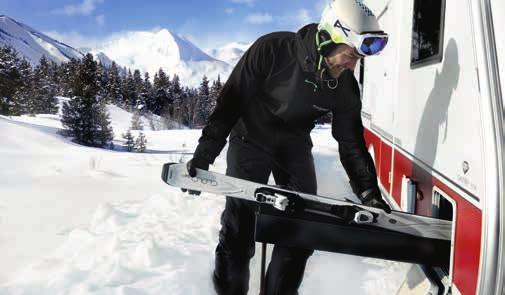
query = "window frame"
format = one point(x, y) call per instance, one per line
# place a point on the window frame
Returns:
point(434, 59)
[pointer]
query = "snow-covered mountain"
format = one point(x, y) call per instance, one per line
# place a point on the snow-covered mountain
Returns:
point(149, 51)
point(32, 44)
point(230, 53)
point(102, 58)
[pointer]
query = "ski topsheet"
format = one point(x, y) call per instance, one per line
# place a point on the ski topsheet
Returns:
point(176, 174)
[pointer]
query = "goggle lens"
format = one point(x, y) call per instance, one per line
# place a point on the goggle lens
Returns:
point(373, 45)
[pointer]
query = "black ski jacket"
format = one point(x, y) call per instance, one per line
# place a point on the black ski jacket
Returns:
point(273, 96)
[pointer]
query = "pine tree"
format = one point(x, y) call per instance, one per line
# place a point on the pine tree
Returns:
point(129, 92)
point(130, 141)
point(140, 143)
point(68, 73)
point(189, 107)
point(138, 83)
point(10, 78)
point(114, 93)
point(146, 94)
point(215, 91)
point(203, 103)
point(54, 70)
point(178, 96)
point(101, 74)
point(161, 84)
point(84, 116)
point(22, 99)
point(44, 91)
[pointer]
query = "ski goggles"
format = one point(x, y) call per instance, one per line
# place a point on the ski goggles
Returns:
point(366, 44)
point(370, 43)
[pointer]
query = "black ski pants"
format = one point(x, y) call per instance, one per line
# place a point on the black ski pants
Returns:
point(291, 164)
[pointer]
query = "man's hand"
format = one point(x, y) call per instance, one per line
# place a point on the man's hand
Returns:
point(191, 167)
point(374, 199)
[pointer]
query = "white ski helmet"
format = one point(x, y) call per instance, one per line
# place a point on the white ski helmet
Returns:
point(350, 22)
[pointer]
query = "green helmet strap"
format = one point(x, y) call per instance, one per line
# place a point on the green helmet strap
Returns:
point(320, 45)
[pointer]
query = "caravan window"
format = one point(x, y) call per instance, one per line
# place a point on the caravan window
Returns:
point(427, 32)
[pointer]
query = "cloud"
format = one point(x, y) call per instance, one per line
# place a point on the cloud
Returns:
point(100, 20)
point(259, 18)
point(229, 10)
point(86, 7)
point(245, 2)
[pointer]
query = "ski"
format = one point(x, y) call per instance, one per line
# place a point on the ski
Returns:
point(175, 174)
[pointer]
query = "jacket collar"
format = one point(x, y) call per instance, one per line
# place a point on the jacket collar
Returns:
point(306, 51)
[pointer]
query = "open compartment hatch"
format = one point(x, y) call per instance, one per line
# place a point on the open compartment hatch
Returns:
point(313, 231)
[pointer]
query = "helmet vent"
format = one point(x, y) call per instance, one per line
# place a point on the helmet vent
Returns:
point(364, 7)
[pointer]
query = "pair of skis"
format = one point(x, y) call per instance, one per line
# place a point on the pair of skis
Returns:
point(175, 174)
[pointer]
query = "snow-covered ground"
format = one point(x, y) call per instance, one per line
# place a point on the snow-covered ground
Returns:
point(80, 220)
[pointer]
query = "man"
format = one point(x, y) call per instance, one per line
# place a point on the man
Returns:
point(267, 107)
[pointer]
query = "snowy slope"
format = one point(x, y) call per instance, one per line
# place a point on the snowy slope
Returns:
point(33, 44)
point(79, 220)
point(149, 51)
point(230, 53)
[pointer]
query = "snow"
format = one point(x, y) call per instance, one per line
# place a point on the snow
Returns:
point(80, 220)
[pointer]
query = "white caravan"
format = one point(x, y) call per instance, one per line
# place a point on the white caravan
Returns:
point(433, 112)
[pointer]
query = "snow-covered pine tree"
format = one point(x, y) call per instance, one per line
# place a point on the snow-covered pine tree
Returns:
point(130, 141)
point(203, 103)
point(114, 93)
point(9, 78)
point(23, 102)
point(145, 95)
point(68, 72)
point(161, 85)
point(138, 82)
point(43, 90)
point(189, 106)
point(178, 95)
point(54, 70)
point(215, 90)
point(129, 92)
point(101, 74)
point(140, 143)
point(85, 116)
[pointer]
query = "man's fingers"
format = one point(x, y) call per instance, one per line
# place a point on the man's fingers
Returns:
point(191, 169)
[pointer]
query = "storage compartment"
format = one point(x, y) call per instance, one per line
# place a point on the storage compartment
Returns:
point(325, 233)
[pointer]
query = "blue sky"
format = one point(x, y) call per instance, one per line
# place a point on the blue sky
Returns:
point(208, 24)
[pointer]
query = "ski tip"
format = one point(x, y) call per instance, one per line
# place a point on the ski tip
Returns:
point(164, 171)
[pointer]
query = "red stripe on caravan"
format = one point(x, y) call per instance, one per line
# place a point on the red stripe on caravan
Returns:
point(467, 242)
point(468, 217)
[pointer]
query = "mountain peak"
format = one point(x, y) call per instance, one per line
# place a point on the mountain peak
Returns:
point(33, 44)
point(148, 51)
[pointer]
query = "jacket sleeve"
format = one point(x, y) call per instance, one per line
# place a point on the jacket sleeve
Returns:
point(241, 86)
point(347, 129)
